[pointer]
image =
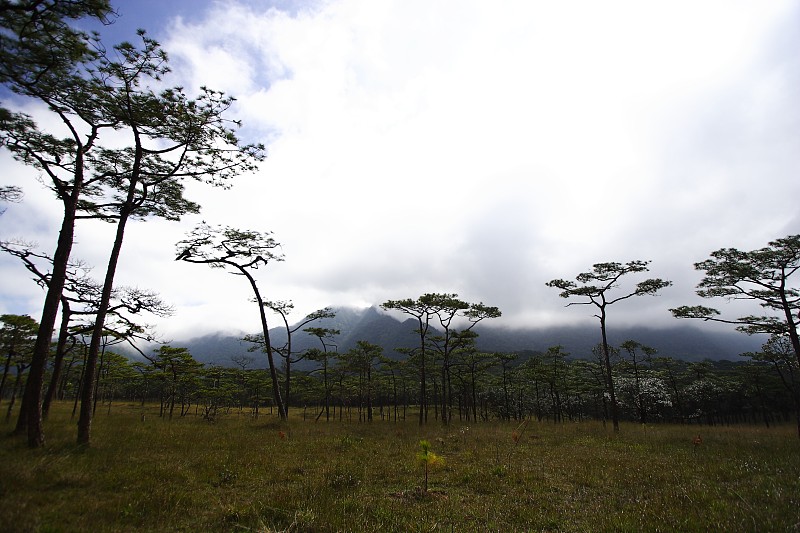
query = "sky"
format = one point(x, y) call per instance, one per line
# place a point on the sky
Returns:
point(470, 147)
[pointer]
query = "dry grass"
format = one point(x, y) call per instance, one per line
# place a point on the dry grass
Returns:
point(243, 475)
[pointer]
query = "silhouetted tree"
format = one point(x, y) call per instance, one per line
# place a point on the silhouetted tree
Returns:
point(360, 361)
point(172, 138)
point(594, 288)
point(178, 372)
point(241, 251)
point(447, 308)
point(763, 276)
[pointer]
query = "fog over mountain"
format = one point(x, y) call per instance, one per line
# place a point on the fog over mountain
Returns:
point(682, 341)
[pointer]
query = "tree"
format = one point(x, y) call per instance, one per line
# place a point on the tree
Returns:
point(506, 363)
point(179, 371)
point(21, 362)
point(555, 375)
point(240, 251)
point(360, 360)
point(242, 361)
point(325, 336)
point(763, 276)
point(445, 307)
point(286, 351)
point(113, 375)
point(591, 384)
point(38, 44)
point(421, 309)
point(79, 305)
point(172, 138)
point(594, 288)
point(778, 352)
point(44, 59)
point(474, 363)
point(79, 289)
point(640, 399)
point(17, 336)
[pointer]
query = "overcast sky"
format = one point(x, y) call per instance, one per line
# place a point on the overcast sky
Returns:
point(482, 148)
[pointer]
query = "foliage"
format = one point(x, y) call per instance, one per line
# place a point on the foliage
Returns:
point(763, 276)
point(429, 460)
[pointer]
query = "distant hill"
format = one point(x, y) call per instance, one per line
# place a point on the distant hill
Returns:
point(681, 342)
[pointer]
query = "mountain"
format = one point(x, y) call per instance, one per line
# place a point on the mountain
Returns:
point(371, 325)
point(681, 342)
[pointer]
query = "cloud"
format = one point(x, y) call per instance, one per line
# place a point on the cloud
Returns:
point(472, 148)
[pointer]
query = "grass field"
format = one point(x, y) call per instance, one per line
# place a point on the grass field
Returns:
point(240, 474)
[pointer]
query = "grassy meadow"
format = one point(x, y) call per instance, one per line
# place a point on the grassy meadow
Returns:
point(241, 474)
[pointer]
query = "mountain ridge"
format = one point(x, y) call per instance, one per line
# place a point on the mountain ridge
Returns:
point(372, 325)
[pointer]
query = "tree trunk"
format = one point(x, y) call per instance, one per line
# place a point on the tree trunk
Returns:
point(444, 391)
point(423, 404)
point(327, 392)
point(609, 377)
point(90, 368)
point(270, 358)
point(474, 396)
point(97, 381)
point(792, 327)
point(288, 381)
point(58, 363)
point(6, 367)
point(30, 414)
point(14, 390)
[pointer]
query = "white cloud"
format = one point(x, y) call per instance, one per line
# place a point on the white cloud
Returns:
point(484, 149)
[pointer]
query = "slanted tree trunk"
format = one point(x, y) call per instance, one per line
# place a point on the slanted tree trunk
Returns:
point(90, 368)
point(30, 414)
point(270, 357)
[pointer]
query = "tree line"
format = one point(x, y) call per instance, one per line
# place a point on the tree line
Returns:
point(125, 143)
point(365, 385)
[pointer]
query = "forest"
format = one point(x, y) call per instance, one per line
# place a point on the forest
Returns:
point(365, 385)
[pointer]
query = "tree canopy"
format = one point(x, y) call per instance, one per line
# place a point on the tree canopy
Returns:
point(763, 276)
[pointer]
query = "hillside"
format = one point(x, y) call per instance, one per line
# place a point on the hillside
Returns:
point(682, 342)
